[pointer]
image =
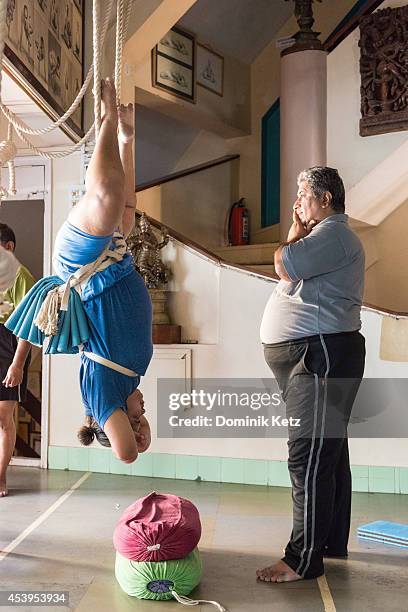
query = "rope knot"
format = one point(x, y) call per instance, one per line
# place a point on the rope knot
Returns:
point(47, 317)
point(8, 151)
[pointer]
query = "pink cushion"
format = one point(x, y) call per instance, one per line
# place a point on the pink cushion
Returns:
point(158, 527)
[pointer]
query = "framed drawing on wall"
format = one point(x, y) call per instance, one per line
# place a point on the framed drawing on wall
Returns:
point(210, 69)
point(173, 64)
point(43, 53)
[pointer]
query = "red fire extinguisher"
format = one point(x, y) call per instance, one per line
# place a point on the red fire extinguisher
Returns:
point(238, 224)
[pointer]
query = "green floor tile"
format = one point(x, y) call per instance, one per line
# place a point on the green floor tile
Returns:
point(380, 485)
point(99, 460)
point(164, 465)
point(232, 470)
point(381, 479)
point(119, 467)
point(278, 474)
point(360, 485)
point(403, 480)
point(78, 459)
point(186, 467)
point(209, 468)
point(382, 472)
point(143, 466)
point(359, 471)
point(58, 458)
point(373, 479)
point(255, 472)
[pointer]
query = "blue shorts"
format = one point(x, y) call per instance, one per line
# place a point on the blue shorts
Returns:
point(104, 390)
point(119, 313)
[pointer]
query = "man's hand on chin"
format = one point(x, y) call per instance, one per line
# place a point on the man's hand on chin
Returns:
point(298, 230)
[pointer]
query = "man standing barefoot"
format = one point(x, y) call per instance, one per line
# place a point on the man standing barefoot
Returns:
point(310, 332)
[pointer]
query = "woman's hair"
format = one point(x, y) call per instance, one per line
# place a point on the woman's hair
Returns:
point(321, 179)
point(88, 432)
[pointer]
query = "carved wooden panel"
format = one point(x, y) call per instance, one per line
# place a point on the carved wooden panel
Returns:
point(384, 71)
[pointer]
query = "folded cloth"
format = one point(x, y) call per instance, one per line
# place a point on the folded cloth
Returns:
point(158, 527)
point(161, 580)
point(73, 329)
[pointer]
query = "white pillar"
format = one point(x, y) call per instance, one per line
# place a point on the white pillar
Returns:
point(303, 123)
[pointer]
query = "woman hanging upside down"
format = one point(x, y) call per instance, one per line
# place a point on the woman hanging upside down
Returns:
point(115, 299)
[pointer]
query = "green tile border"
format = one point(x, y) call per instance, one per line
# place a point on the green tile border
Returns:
point(366, 479)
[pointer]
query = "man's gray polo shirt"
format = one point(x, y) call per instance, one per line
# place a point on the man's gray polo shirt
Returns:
point(326, 293)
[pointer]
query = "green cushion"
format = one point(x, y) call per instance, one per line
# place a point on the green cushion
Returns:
point(156, 579)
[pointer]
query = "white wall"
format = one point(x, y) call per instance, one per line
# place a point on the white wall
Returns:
point(65, 400)
point(353, 155)
point(222, 308)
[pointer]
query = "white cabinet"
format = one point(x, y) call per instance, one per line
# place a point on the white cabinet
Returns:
point(172, 361)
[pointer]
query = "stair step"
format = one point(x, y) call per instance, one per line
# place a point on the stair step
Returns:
point(258, 254)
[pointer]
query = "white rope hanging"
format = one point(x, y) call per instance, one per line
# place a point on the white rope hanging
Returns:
point(20, 126)
point(97, 68)
point(99, 35)
point(122, 20)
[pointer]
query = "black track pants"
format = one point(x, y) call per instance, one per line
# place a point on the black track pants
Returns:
point(318, 463)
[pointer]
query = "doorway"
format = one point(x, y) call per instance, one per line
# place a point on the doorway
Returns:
point(29, 214)
point(26, 218)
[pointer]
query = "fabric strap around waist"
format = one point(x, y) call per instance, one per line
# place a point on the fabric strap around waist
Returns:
point(110, 364)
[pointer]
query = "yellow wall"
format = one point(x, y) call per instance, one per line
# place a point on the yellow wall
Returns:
point(265, 79)
point(387, 280)
point(265, 88)
point(196, 205)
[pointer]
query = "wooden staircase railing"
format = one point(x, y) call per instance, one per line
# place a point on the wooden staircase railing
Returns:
point(186, 172)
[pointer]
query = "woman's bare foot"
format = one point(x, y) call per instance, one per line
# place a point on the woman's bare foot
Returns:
point(138, 422)
point(279, 572)
point(143, 435)
point(108, 100)
point(3, 488)
point(126, 120)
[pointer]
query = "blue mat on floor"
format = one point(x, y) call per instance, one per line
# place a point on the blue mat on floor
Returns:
point(385, 532)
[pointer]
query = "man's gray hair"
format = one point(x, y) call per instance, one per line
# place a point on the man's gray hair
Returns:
point(321, 179)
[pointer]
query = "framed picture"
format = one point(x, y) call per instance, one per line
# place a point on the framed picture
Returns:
point(43, 53)
point(210, 69)
point(173, 64)
point(178, 45)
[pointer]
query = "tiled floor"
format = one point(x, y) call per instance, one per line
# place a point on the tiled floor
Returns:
point(244, 527)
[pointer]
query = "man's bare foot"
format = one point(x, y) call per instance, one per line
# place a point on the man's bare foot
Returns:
point(108, 100)
point(279, 572)
point(126, 123)
point(3, 488)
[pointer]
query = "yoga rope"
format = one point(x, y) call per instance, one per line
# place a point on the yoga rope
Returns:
point(22, 127)
point(186, 601)
point(97, 67)
point(8, 149)
point(58, 299)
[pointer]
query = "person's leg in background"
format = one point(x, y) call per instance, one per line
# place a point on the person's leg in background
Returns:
point(7, 440)
point(9, 398)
